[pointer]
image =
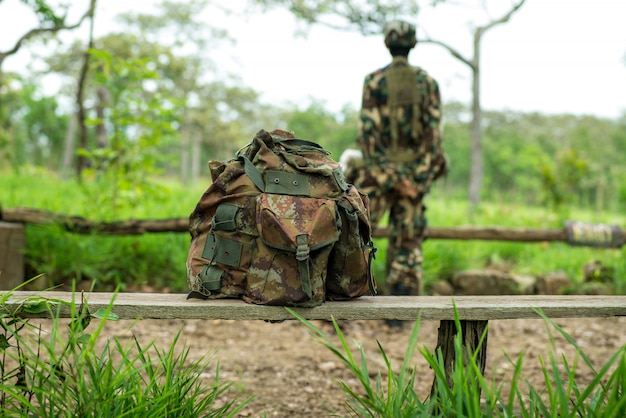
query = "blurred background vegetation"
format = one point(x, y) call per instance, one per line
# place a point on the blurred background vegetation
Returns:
point(136, 120)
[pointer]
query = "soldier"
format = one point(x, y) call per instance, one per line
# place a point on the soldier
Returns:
point(401, 143)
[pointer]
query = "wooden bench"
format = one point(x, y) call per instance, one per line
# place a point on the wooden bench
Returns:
point(470, 308)
point(474, 312)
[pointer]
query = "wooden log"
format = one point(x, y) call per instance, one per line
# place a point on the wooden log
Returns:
point(80, 225)
point(489, 233)
point(472, 308)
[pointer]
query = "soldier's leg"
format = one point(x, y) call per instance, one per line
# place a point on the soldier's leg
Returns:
point(405, 275)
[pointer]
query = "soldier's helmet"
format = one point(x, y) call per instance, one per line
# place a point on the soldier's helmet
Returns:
point(399, 34)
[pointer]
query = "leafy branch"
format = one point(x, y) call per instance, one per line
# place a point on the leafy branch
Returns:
point(46, 15)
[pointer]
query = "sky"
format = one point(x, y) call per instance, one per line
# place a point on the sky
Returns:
point(553, 56)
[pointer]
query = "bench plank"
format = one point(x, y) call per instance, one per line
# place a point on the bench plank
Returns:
point(477, 308)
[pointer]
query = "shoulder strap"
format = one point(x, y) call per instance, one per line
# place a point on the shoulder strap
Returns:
point(302, 144)
point(253, 172)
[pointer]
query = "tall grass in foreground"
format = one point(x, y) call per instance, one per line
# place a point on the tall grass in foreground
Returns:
point(61, 372)
point(470, 394)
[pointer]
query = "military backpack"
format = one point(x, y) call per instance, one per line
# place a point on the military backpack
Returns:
point(279, 225)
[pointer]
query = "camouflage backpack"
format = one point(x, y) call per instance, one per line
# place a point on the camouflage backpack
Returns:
point(280, 226)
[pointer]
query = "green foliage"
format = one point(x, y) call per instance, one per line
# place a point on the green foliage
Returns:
point(563, 396)
point(141, 122)
point(366, 17)
point(554, 160)
point(530, 158)
point(465, 392)
point(393, 397)
point(65, 371)
point(31, 129)
point(562, 179)
point(45, 12)
point(334, 132)
point(156, 260)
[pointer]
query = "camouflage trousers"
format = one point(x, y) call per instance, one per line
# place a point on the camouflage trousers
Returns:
point(407, 224)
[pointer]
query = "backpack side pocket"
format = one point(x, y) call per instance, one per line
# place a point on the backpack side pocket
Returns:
point(222, 256)
point(350, 265)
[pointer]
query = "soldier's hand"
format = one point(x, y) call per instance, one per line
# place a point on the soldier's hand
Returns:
point(406, 189)
point(443, 166)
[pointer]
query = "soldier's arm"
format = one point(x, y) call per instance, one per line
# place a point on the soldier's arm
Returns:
point(432, 130)
point(369, 119)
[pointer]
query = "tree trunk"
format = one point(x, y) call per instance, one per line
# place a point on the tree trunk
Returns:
point(101, 132)
point(476, 171)
point(81, 162)
point(196, 156)
point(68, 152)
point(184, 156)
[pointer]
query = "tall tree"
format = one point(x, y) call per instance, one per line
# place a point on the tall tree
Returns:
point(473, 62)
point(81, 114)
point(369, 18)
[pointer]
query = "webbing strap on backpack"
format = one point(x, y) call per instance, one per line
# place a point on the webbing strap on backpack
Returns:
point(302, 255)
point(277, 182)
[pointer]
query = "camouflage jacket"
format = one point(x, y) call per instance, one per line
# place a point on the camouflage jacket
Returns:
point(416, 152)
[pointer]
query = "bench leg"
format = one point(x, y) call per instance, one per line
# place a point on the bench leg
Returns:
point(471, 332)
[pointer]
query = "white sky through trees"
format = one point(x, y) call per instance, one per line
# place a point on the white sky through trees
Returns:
point(553, 56)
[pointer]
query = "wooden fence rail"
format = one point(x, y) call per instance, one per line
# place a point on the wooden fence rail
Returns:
point(595, 235)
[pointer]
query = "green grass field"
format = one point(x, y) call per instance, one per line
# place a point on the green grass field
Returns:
point(158, 260)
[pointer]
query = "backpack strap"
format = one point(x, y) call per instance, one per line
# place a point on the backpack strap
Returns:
point(253, 172)
point(301, 144)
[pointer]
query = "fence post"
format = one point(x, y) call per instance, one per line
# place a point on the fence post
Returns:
point(471, 334)
point(12, 242)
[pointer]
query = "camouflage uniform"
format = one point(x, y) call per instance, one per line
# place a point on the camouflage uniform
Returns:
point(402, 150)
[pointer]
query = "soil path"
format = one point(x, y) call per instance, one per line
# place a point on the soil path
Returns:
point(293, 375)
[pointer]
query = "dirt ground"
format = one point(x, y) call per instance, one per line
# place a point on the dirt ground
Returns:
point(293, 375)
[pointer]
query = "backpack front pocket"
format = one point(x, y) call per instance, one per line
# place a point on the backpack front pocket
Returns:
point(296, 234)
